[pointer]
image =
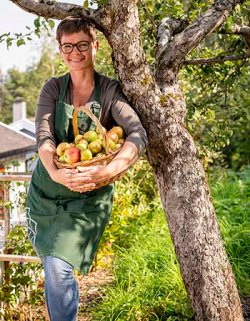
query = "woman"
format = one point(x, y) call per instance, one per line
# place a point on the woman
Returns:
point(66, 214)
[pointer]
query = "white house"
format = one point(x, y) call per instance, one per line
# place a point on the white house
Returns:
point(17, 154)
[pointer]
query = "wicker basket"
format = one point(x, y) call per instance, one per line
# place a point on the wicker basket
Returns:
point(101, 160)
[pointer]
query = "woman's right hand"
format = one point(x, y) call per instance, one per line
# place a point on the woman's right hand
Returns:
point(72, 179)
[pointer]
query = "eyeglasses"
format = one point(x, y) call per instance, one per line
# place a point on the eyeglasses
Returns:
point(69, 47)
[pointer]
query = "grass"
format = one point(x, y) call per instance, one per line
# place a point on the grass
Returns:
point(231, 196)
point(147, 278)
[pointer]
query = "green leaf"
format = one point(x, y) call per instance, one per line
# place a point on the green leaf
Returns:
point(37, 23)
point(20, 42)
point(86, 4)
point(51, 23)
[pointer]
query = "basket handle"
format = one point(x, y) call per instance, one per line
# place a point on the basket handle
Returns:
point(86, 109)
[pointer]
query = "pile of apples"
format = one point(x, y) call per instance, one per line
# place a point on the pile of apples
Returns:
point(89, 145)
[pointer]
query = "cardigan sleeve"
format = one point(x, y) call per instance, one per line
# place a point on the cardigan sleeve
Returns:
point(45, 113)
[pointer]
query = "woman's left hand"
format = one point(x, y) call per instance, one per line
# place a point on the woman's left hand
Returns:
point(96, 174)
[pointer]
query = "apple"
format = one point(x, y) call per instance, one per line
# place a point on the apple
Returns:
point(113, 136)
point(95, 146)
point(82, 144)
point(86, 155)
point(118, 130)
point(90, 136)
point(72, 155)
point(111, 144)
point(61, 148)
point(100, 154)
point(61, 158)
point(78, 138)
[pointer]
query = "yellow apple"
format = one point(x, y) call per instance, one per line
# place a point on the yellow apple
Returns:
point(61, 148)
point(82, 144)
point(95, 146)
point(86, 155)
point(78, 138)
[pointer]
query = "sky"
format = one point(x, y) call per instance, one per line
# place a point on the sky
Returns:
point(13, 19)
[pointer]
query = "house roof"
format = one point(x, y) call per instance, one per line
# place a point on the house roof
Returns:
point(24, 125)
point(14, 142)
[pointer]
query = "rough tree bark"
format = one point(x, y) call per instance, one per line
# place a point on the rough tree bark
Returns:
point(172, 154)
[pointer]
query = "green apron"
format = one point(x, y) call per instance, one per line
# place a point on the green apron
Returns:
point(61, 222)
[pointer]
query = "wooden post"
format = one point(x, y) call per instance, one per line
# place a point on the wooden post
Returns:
point(1, 274)
point(6, 211)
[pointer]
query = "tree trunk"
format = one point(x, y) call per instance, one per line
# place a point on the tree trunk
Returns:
point(193, 225)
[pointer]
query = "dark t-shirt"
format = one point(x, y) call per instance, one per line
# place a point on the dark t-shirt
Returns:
point(115, 110)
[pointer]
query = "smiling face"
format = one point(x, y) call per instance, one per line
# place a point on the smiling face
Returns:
point(79, 60)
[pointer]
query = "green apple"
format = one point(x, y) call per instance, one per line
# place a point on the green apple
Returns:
point(62, 158)
point(82, 144)
point(95, 146)
point(111, 144)
point(90, 136)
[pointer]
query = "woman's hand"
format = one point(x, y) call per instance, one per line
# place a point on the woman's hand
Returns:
point(99, 174)
point(95, 174)
point(72, 179)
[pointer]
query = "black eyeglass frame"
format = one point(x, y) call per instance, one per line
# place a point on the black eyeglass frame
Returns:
point(75, 45)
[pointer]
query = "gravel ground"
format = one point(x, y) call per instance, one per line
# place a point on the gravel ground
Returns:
point(91, 290)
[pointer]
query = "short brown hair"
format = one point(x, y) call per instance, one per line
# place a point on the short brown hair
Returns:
point(74, 24)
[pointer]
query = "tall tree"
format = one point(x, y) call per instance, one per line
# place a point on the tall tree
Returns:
point(160, 103)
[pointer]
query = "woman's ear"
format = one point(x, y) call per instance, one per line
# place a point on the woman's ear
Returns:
point(96, 46)
point(61, 54)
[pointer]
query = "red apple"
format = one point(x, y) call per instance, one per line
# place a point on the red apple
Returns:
point(113, 136)
point(72, 155)
point(118, 130)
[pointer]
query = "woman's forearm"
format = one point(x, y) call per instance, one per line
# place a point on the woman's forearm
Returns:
point(127, 156)
point(46, 153)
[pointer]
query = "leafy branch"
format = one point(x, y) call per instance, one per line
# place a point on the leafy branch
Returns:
point(219, 59)
point(21, 39)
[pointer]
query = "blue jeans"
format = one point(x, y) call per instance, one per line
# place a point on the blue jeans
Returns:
point(61, 290)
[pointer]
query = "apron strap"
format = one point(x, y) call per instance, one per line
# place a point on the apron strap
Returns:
point(96, 108)
point(64, 87)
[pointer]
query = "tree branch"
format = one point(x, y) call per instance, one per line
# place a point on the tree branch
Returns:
point(241, 30)
point(236, 30)
point(220, 60)
point(59, 10)
point(167, 29)
point(183, 43)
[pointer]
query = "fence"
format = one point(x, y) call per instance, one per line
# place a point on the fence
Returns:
point(6, 258)
point(5, 179)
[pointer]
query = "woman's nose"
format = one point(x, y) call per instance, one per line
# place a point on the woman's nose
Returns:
point(75, 49)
